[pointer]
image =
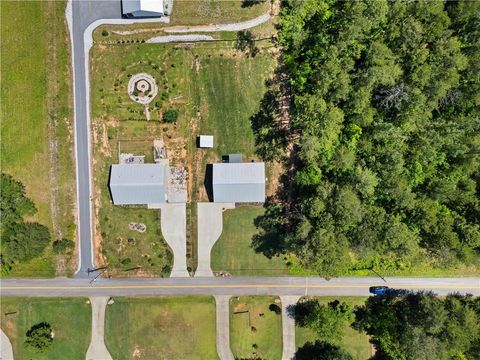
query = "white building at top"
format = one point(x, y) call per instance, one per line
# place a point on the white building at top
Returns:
point(142, 8)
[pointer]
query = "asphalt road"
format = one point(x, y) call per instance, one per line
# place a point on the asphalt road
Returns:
point(235, 286)
point(83, 14)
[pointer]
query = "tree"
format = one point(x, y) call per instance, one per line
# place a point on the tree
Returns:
point(421, 325)
point(39, 337)
point(246, 42)
point(170, 116)
point(62, 246)
point(384, 129)
point(321, 351)
point(24, 241)
point(328, 321)
point(13, 202)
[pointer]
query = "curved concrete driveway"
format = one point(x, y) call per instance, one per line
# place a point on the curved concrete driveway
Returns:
point(6, 350)
point(173, 219)
point(209, 229)
point(244, 25)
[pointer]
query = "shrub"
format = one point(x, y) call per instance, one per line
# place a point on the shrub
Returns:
point(170, 116)
point(104, 32)
point(275, 308)
point(39, 337)
point(62, 246)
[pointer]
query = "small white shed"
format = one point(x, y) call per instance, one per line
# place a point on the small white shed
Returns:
point(206, 141)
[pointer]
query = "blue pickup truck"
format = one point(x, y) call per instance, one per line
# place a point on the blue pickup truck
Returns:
point(379, 290)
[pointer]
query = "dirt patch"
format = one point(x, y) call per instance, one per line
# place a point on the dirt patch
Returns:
point(240, 308)
point(137, 353)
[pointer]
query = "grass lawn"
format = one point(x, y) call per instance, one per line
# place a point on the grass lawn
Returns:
point(245, 315)
point(36, 111)
point(161, 328)
point(70, 320)
point(215, 89)
point(354, 342)
point(194, 12)
point(233, 252)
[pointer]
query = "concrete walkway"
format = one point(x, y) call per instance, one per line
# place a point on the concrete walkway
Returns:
point(209, 229)
point(288, 327)
point(223, 327)
point(97, 349)
point(6, 351)
point(173, 219)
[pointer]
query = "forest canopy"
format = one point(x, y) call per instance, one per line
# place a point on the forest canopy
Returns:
point(385, 125)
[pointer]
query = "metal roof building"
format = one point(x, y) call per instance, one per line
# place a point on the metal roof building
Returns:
point(205, 141)
point(239, 182)
point(142, 8)
point(138, 184)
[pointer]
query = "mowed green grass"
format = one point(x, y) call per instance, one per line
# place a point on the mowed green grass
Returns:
point(195, 12)
point(245, 313)
point(161, 328)
point(36, 93)
point(233, 251)
point(70, 320)
point(354, 342)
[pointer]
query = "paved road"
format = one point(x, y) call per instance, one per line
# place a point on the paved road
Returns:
point(83, 14)
point(235, 286)
point(97, 348)
point(223, 327)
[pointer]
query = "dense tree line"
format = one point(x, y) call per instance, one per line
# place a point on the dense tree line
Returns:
point(20, 240)
point(386, 128)
point(402, 325)
point(421, 326)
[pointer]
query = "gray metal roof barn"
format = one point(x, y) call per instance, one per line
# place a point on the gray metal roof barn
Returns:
point(138, 184)
point(239, 182)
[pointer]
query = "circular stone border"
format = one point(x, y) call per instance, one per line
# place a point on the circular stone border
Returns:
point(143, 79)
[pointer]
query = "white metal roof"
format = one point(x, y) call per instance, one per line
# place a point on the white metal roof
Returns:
point(142, 7)
point(206, 141)
point(239, 182)
point(138, 184)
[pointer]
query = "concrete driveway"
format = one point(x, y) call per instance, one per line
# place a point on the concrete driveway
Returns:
point(209, 229)
point(173, 219)
point(6, 351)
point(288, 327)
point(223, 327)
point(97, 349)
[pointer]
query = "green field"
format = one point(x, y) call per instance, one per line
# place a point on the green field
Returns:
point(354, 342)
point(70, 320)
point(166, 328)
point(233, 252)
point(214, 88)
point(249, 327)
point(36, 112)
point(194, 12)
